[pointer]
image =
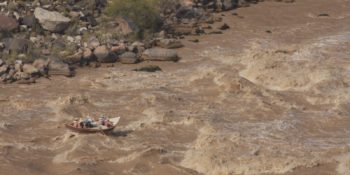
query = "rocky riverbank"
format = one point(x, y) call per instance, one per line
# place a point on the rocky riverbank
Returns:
point(78, 33)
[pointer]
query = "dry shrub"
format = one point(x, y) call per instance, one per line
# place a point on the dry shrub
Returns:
point(145, 13)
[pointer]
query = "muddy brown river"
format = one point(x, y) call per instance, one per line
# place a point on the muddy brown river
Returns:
point(269, 96)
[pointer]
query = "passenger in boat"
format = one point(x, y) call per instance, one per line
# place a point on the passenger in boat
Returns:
point(102, 120)
point(81, 123)
point(76, 122)
point(91, 123)
point(108, 123)
point(94, 123)
point(86, 123)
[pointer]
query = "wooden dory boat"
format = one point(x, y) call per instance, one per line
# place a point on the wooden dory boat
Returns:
point(101, 129)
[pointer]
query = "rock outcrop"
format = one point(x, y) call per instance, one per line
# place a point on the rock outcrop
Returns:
point(169, 43)
point(27, 73)
point(8, 23)
point(29, 69)
point(128, 58)
point(160, 54)
point(75, 33)
point(103, 55)
point(51, 20)
point(56, 67)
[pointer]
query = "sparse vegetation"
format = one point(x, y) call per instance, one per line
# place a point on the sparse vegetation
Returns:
point(145, 13)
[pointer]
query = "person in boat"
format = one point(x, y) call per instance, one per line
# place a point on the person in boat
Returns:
point(87, 123)
point(81, 124)
point(108, 123)
point(94, 123)
point(104, 121)
point(76, 123)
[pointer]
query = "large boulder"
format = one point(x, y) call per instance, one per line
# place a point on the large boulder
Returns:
point(160, 54)
point(137, 46)
point(87, 54)
point(190, 13)
point(101, 52)
point(17, 45)
point(18, 66)
point(41, 65)
point(8, 23)
point(226, 5)
point(120, 49)
point(21, 76)
point(11, 72)
point(128, 58)
point(74, 58)
point(93, 43)
point(56, 67)
point(29, 69)
point(169, 43)
point(3, 69)
point(103, 55)
point(2, 46)
point(51, 20)
point(29, 20)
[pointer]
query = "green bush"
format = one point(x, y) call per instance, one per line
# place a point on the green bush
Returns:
point(145, 13)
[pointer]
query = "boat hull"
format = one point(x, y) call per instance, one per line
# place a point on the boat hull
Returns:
point(89, 130)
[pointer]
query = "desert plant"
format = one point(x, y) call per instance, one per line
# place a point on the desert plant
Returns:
point(146, 14)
